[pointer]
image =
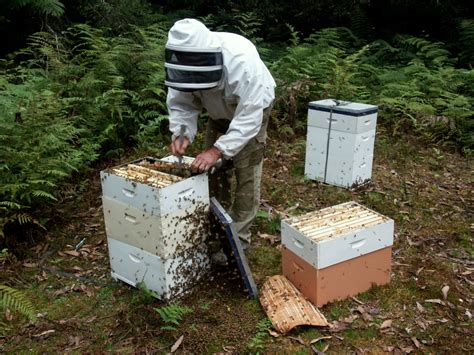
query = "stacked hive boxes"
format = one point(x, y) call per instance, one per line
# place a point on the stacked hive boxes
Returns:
point(340, 142)
point(337, 252)
point(156, 227)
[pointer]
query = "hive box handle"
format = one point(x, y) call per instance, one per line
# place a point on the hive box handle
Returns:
point(186, 192)
point(128, 193)
point(130, 218)
point(298, 267)
point(134, 258)
point(298, 244)
point(357, 244)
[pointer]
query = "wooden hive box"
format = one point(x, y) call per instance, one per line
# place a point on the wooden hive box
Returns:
point(340, 142)
point(337, 252)
point(156, 225)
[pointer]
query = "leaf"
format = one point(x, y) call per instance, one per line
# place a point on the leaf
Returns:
point(47, 332)
point(444, 291)
point(357, 300)
point(316, 351)
point(386, 324)
point(271, 238)
point(177, 344)
point(407, 349)
point(350, 319)
point(367, 317)
point(337, 326)
point(437, 300)
point(298, 339)
point(30, 265)
point(8, 315)
point(420, 307)
point(319, 339)
point(273, 333)
point(72, 253)
point(416, 342)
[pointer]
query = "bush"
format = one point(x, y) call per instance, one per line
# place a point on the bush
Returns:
point(415, 84)
point(78, 96)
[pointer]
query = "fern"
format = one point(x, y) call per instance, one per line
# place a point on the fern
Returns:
point(15, 301)
point(415, 84)
point(79, 94)
point(172, 315)
point(466, 43)
point(258, 340)
point(53, 8)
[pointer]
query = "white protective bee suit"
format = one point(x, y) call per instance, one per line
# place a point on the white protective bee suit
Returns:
point(223, 74)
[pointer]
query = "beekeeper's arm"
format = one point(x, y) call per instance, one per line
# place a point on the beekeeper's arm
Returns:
point(184, 109)
point(247, 118)
point(244, 126)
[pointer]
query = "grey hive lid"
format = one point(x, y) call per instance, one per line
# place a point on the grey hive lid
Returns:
point(344, 107)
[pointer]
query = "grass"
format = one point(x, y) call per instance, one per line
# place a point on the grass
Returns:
point(424, 190)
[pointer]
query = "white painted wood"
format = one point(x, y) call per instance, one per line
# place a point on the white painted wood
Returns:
point(160, 235)
point(156, 201)
point(349, 158)
point(166, 278)
point(332, 241)
point(350, 117)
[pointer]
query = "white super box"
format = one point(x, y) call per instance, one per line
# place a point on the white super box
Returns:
point(336, 234)
point(167, 278)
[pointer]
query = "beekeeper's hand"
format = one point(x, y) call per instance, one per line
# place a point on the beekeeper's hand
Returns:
point(179, 149)
point(206, 160)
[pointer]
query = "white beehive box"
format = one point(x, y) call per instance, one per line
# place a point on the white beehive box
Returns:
point(335, 234)
point(167, 278)
point(160, 217)
point(337, 251)
point(156, 200)
point(340, 144)
point(160, 235)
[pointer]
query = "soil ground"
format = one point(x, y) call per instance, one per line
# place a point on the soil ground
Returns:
point(427, 191)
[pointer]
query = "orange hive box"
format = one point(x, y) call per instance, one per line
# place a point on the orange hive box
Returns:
point(337, 252)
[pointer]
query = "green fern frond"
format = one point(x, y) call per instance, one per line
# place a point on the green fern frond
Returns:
point(21, 218)
point(466, 43)
point(15, 301)
point(173, 313)
point(47, 7)
point(11, 205)
point(43, 194)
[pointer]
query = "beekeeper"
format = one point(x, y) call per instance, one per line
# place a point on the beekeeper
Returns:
point(223, 74)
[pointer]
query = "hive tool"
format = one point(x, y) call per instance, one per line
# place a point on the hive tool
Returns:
point(181, 139)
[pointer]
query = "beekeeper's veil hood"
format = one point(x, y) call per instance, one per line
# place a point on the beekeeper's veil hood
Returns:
point(193, 57)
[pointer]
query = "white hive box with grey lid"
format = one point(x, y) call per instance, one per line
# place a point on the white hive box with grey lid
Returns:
point(156, 224)
point(340, 142)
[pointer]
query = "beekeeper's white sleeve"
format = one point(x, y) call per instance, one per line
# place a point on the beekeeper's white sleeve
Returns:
point(247, 118)
point(183, 109)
